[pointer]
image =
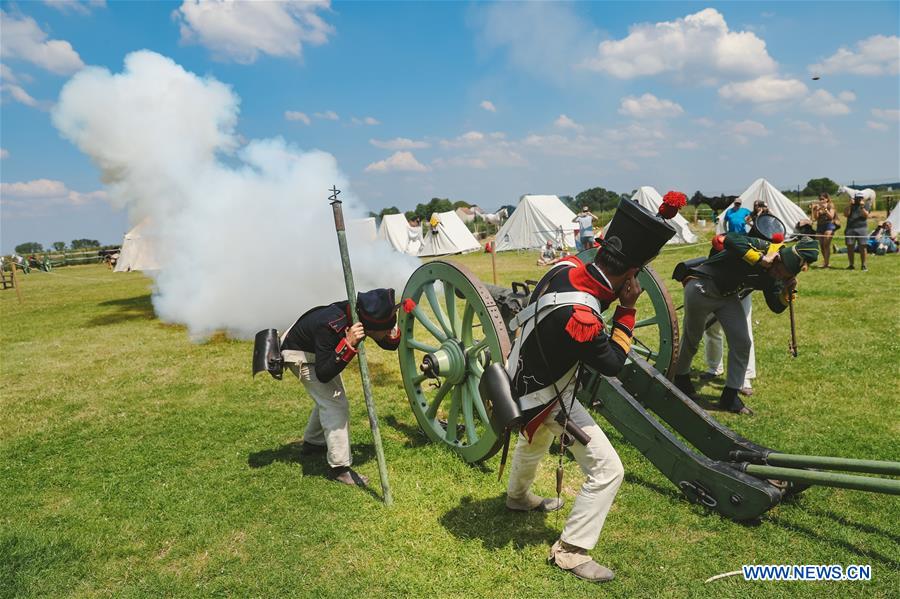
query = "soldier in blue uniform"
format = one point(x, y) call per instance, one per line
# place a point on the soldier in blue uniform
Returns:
point(317, 348)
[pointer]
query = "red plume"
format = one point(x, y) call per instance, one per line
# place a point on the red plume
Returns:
point(777, 237)
point(408, 305)
point(672, 201)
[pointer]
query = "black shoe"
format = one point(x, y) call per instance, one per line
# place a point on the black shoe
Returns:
point(864, 268)
point(308, 448)
point(849, 267)
point(731, 402)
point(684, 384)
point(707, 376)
point(346, 475)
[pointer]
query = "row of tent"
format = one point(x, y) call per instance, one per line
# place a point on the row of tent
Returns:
point(536, 220)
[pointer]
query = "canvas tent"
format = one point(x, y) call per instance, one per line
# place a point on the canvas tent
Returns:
point(138, 250)
point(650, 199)
point(894, 217)
point(536, 220)
point(363, 229)
point(396, 231)
point(787, 211)
point(449, 236)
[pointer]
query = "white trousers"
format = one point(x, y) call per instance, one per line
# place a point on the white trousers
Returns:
point(329, 421)
point(714, 346)
point(598, 460)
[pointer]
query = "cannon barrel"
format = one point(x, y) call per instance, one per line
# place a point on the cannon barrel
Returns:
point(792, 460)
point(826, 479)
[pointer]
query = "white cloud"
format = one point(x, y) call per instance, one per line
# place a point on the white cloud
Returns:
point(763, 90)
point(886, 114)
point(45, 192)
point(4, 153)
point(874, 56)
point(628, 165)
point(564, 122)
point(20, 95)
point(687, 145)
point(876, 125)
point(459, 162)
point(23, 39)
point(822, 103)
point(846, 96)
point(240, 31)
point(328, 115)
point(469, 138)
point(293, 115)
point(699, 46)
point(80, 7)
point(649, 106)
point(369, 120)
point(742, 131)
point(488, 105)
point(398, 161)
point(807, 133)
point(399, 143)
point(704, 122)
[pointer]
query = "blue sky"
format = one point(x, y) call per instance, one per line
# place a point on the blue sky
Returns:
point(474, 101)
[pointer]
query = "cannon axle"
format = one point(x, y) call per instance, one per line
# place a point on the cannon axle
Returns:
point(825, 479)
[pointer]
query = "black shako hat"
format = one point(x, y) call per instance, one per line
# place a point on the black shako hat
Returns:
point(635, 235)
point(376, 309)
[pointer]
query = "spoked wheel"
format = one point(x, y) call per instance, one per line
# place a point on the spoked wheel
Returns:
point(450, 335)
point(656, 330)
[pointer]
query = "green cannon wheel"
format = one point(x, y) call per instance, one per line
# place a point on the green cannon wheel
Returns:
point(656, 330)
point(449, 337)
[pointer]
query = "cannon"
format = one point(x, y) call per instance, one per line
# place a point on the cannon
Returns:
point(454, 326)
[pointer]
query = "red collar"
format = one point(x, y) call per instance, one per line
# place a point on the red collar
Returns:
point(589, 278)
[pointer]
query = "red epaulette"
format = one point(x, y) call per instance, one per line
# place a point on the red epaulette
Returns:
point(584, 325)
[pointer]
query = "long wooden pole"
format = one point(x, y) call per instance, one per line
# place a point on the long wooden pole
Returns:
point(494, 260)
point(15, 281)
point(363, 362)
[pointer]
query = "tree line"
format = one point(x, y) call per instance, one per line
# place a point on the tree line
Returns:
point(33, 247)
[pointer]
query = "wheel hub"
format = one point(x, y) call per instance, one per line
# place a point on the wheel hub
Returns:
point(449, 361)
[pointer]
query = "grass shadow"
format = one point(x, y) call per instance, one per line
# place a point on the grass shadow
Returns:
point(489, 521)
point(866, 528)
point(414, 435)
point(310, 464)
point(817, 537)
point(139, 307)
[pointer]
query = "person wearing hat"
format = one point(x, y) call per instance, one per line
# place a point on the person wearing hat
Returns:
point(585, 235)
point(857, 231)
point(713, 287)
point(549, 351)
point(736, 218)
point(317, 348)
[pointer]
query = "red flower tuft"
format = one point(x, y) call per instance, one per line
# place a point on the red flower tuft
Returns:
point(777, 237)
point(408, 305)
point(672, 201)
point(718, 243)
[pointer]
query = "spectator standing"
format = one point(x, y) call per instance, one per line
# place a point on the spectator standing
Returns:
point(825, 217)
point(857, 231)
point(736, 218)
point(585, 220)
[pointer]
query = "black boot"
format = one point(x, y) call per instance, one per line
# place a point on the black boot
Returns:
point(731, 402)
point(684, 384)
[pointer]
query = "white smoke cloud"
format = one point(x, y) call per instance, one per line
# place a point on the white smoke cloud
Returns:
point(245, 234)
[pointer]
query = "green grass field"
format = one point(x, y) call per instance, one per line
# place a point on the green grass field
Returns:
point(134, 462)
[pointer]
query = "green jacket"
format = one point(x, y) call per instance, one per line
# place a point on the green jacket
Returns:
point(737, 267)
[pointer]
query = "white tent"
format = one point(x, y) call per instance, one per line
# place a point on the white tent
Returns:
point(894, 217)
point(787, 211)
point(362, 229)
point(650, 199)
point(138, 251)
point(448, 236)
point(396, 231)
point(536, 220)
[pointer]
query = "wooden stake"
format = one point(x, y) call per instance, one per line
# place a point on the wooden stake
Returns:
point(494, 261)
point(15, 280)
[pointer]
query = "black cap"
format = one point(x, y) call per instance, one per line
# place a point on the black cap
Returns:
point(635, 235)
point(376, 309)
